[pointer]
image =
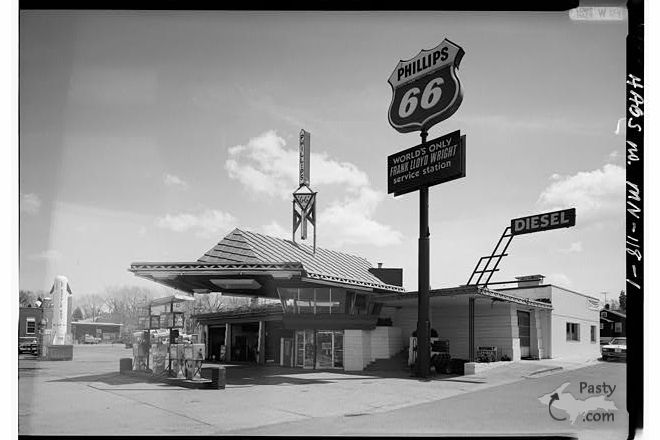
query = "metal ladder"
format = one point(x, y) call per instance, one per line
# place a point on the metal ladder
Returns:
point(497, 254)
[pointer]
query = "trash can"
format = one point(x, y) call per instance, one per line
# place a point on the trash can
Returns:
point(125, 364)
point(217, 375)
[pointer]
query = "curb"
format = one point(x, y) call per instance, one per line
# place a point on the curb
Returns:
point(543, 370)
point(185, 383)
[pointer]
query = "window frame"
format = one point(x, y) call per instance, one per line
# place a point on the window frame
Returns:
point(572, 332)
point(30, 320)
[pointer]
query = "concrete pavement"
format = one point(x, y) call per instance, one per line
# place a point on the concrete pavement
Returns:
point(88, 396)
point(512, 408)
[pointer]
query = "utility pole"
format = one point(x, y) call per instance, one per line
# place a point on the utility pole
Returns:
point(604, 293)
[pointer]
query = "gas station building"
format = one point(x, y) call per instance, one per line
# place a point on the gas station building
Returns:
point(329, 309)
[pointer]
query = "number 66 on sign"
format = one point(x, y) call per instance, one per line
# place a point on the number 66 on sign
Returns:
point(426, 89)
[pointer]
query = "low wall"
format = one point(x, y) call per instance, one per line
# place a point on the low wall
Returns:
point(58, 352)
point(364, 346)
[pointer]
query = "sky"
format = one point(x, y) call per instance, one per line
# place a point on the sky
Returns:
point(148, 136)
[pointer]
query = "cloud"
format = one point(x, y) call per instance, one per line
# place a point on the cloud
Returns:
point(598, 195)
point(573, 248)
point(48, 255)
point(172, 180)
point(265, 166)
point(30, 203)
point(352, 223)
point(614, 156)
point(209, 223)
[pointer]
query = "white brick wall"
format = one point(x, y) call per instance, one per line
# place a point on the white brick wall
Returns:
point(353, 350)
point(385, 342)
point(364, 346)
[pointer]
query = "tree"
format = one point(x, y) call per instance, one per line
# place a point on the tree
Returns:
point(92, 305)
point(77, 314)
point(26, 298)
point(622, 300)
point(122, 303)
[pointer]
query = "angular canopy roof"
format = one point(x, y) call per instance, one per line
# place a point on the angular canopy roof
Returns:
point(262, 258)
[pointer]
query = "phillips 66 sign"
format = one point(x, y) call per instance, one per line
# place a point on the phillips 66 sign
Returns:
point(426, 89)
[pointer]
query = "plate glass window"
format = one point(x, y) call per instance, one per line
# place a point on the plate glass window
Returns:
point(593, 333)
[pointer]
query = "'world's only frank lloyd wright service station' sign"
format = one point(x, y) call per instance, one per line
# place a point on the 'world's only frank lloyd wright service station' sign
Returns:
point(436, 161)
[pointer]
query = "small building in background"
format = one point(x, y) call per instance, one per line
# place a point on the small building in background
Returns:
point(103, 332)
point(28, 321)
point(612, 324)
point(32, 316)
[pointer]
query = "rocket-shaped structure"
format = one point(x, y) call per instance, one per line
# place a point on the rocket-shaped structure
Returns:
point(60, 293)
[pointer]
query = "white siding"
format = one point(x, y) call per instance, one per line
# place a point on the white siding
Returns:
point(495, 325)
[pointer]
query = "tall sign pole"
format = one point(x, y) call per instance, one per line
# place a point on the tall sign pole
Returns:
point(423, 365)
point(425, 90)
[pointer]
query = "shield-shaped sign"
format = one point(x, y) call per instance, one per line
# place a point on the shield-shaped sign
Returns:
point(303, 199)
point(426, 89)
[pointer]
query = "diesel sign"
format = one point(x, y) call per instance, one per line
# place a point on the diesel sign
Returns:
point(543, 222)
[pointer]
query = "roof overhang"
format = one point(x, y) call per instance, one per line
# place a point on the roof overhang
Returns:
point(475, 292)
point(253, 279)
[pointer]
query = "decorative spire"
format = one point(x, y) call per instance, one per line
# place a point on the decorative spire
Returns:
point(304, 199)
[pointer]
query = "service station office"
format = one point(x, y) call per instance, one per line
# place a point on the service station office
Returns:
point(322, 300)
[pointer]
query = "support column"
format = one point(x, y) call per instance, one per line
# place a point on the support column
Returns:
point(471, 328)
point(423, 281)
point(261, 343)
point(535, 340)
point(227, 343)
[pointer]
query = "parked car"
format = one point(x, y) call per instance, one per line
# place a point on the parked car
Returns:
point(89, 339)
point(27, 344)
point(615, 349)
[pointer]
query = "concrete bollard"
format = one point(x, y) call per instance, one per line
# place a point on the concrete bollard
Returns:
point(217, 375)
point(125, 364)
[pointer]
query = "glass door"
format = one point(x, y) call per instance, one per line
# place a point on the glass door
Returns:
point(324, 353)
point(305, 348)
point(330, 349)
